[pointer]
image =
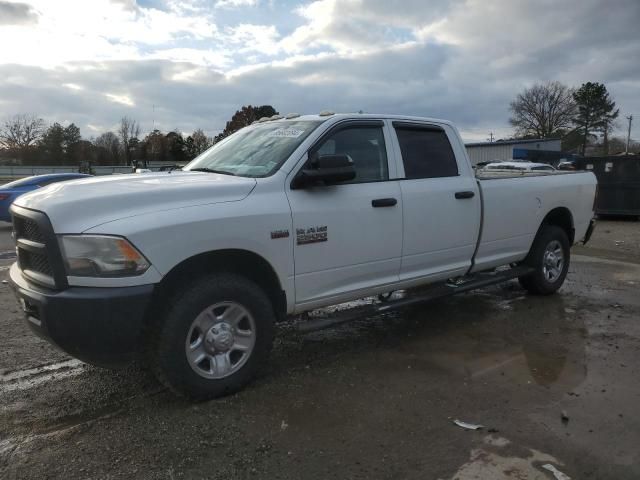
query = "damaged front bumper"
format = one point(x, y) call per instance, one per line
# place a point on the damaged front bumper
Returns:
point(587, 236)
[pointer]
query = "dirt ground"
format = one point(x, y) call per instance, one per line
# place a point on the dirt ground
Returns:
point(375, 398)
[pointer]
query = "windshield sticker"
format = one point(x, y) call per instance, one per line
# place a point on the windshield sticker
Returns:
point(286, 133)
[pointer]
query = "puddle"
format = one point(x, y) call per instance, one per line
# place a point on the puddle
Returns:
point(496, 332)
point(494, 460)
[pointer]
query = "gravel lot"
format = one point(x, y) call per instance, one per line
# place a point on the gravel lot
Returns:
point(375, 398)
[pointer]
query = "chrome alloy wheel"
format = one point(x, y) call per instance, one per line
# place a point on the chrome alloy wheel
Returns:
point(220, 340)
point(553, 261)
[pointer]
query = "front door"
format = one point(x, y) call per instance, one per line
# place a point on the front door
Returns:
point(349, 235)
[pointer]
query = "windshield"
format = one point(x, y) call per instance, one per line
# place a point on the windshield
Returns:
point(255, 151)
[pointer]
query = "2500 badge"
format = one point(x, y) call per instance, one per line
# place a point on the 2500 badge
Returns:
point(305, 236)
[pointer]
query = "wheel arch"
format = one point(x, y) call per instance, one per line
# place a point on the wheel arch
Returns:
point(560, 217)
point(243, 262)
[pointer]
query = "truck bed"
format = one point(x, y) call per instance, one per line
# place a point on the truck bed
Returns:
point(482, 174)
point(515, 203)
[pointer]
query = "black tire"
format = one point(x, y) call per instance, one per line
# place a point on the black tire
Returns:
point(539, 282)
point(167, 352)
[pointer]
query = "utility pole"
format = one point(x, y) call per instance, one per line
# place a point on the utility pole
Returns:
point(626, 150)
point(490, 137)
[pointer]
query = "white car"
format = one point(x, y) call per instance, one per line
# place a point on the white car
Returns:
point(192, 268)
point(520, 166)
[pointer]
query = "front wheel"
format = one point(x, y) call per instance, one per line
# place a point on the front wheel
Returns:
point(549, 256)
point(214, 337)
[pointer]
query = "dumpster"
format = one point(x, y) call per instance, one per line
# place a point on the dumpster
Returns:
point(618, 183)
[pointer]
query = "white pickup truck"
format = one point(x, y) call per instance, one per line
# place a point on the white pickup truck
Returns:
point(191, 269)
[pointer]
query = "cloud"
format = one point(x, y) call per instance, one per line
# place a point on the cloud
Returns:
point(357, 25)
point(197, 64)
point(254, 38)
point(235, 3)
point(106, 31)
point(17, 14)
point(121, 99)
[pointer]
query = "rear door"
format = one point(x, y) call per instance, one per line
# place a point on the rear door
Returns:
point(441, 202)
point(348, 236)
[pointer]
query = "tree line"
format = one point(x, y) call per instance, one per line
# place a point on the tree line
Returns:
point(28, 139)
point(584, 118)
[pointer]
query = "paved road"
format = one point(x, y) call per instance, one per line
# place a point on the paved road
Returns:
point(372, 399)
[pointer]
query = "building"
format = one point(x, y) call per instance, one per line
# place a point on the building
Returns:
point(511, 149)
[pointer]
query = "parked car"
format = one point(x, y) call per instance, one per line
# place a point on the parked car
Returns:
point(280, 218)
point(10, 191)
point(520, 166)
point(567, 165)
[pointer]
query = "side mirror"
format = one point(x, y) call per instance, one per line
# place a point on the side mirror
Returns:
point(327, 169)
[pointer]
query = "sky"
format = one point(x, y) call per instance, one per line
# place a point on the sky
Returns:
point(182, 65)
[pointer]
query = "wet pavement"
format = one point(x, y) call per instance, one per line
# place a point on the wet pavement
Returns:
point(375, 398)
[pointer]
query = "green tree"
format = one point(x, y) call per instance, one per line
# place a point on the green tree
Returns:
point(154, 146)
point(175, 147)
point(189, 148)
point(62, 145)
point(596, 111)
point(245, 116)
point(72, 139)
point(52, 145)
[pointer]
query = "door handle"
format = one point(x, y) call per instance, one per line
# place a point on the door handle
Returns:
point(467, 194)
point(383, 202)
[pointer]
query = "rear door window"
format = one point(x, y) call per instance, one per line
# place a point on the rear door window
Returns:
point(426, 152)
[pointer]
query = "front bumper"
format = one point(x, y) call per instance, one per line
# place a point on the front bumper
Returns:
point(98, 325)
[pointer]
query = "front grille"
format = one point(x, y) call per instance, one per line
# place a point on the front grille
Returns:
point(27, 229)
point(39, 255)
point(37, 262)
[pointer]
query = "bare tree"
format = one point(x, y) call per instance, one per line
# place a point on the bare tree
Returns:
point(128, 132)
point(543, 110)
point(200, 141)
point(21, 132)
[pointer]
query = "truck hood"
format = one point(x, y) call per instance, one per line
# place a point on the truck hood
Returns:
point(78, 205)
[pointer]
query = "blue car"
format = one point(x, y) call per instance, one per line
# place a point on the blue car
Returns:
point(10, 191)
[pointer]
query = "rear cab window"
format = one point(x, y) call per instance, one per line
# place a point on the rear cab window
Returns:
point(426, 151)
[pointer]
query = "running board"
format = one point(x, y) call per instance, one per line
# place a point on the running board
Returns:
point(478, 280)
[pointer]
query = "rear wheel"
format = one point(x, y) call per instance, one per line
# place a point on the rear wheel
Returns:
point(549, 256)
point(215, 336)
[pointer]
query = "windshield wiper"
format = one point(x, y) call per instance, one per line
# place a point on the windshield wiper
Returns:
point(211, 170)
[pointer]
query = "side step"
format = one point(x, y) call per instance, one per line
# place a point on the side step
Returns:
point(478, 280)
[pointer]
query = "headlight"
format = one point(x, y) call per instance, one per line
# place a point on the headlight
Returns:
point(101, 256)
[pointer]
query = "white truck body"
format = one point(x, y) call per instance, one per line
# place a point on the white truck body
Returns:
point(429, 236)
point(325, 244)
